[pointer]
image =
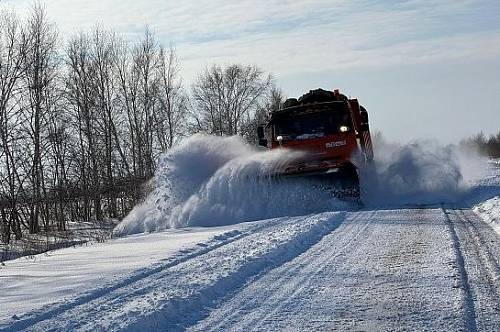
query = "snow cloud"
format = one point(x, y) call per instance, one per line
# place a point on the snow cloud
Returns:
point(421, 172)
point(211, 181)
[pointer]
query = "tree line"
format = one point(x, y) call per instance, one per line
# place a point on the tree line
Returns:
point(488, 146)
point(82, 122)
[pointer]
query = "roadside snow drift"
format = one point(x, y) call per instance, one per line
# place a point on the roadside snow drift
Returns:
point(63, 273)
point(490, 212)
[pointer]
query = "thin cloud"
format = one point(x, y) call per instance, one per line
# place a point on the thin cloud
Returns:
point(294, 36)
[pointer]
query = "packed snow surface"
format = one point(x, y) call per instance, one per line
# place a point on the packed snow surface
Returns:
point(390, 269)
point(411, 282)
point(61, 273)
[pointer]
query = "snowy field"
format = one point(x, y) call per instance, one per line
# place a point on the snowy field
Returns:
point(426, 257)
point(76, 233)
point(80, 270)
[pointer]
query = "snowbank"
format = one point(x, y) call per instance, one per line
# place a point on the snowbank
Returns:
point(490, 212)
point(485, 198)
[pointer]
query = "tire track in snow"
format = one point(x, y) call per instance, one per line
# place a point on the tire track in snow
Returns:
point(469, 309)
point(393, 275)
point(54, 309)
point(177, 297)
point(481, 251)
point(350, 231)
point(277, 257)
point(351, 235)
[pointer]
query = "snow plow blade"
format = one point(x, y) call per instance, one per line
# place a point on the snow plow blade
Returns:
point(342, 182)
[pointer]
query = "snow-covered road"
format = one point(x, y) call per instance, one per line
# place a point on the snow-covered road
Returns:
point(397, 269)
point(416, 269)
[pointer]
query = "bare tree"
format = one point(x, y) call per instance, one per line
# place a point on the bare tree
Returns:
point(273, 101)
point(81, 130)
point(226, 98)
point(170, 119)
point(137, 69)
point(103, 57)
point(41, 63)
point(13, 45)
point(80, 98)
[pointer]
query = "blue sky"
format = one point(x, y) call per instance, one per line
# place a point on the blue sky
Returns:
point(424, 69)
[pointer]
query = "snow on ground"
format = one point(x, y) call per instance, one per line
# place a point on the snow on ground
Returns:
point(175, 291)
point(389, 269)
point(395, 264)
point(489, 209)
point(343, 283)
point(27, 283)
point(490, 212)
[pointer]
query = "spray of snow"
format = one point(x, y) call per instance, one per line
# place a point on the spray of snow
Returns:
point(209, 181)
point(422, 172)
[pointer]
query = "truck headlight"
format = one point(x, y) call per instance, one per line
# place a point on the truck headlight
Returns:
point(344, 129)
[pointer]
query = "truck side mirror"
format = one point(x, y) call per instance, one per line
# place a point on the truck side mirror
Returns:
point(364, 116)
point(260, 132)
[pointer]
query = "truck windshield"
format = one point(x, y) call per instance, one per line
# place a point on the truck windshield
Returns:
point(312, 125)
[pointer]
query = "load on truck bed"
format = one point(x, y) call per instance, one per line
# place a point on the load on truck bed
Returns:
point(332, 131)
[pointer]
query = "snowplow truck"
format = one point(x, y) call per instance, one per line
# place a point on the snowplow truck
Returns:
point(333, 132)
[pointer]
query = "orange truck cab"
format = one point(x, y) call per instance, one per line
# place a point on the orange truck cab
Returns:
point(329, 127)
